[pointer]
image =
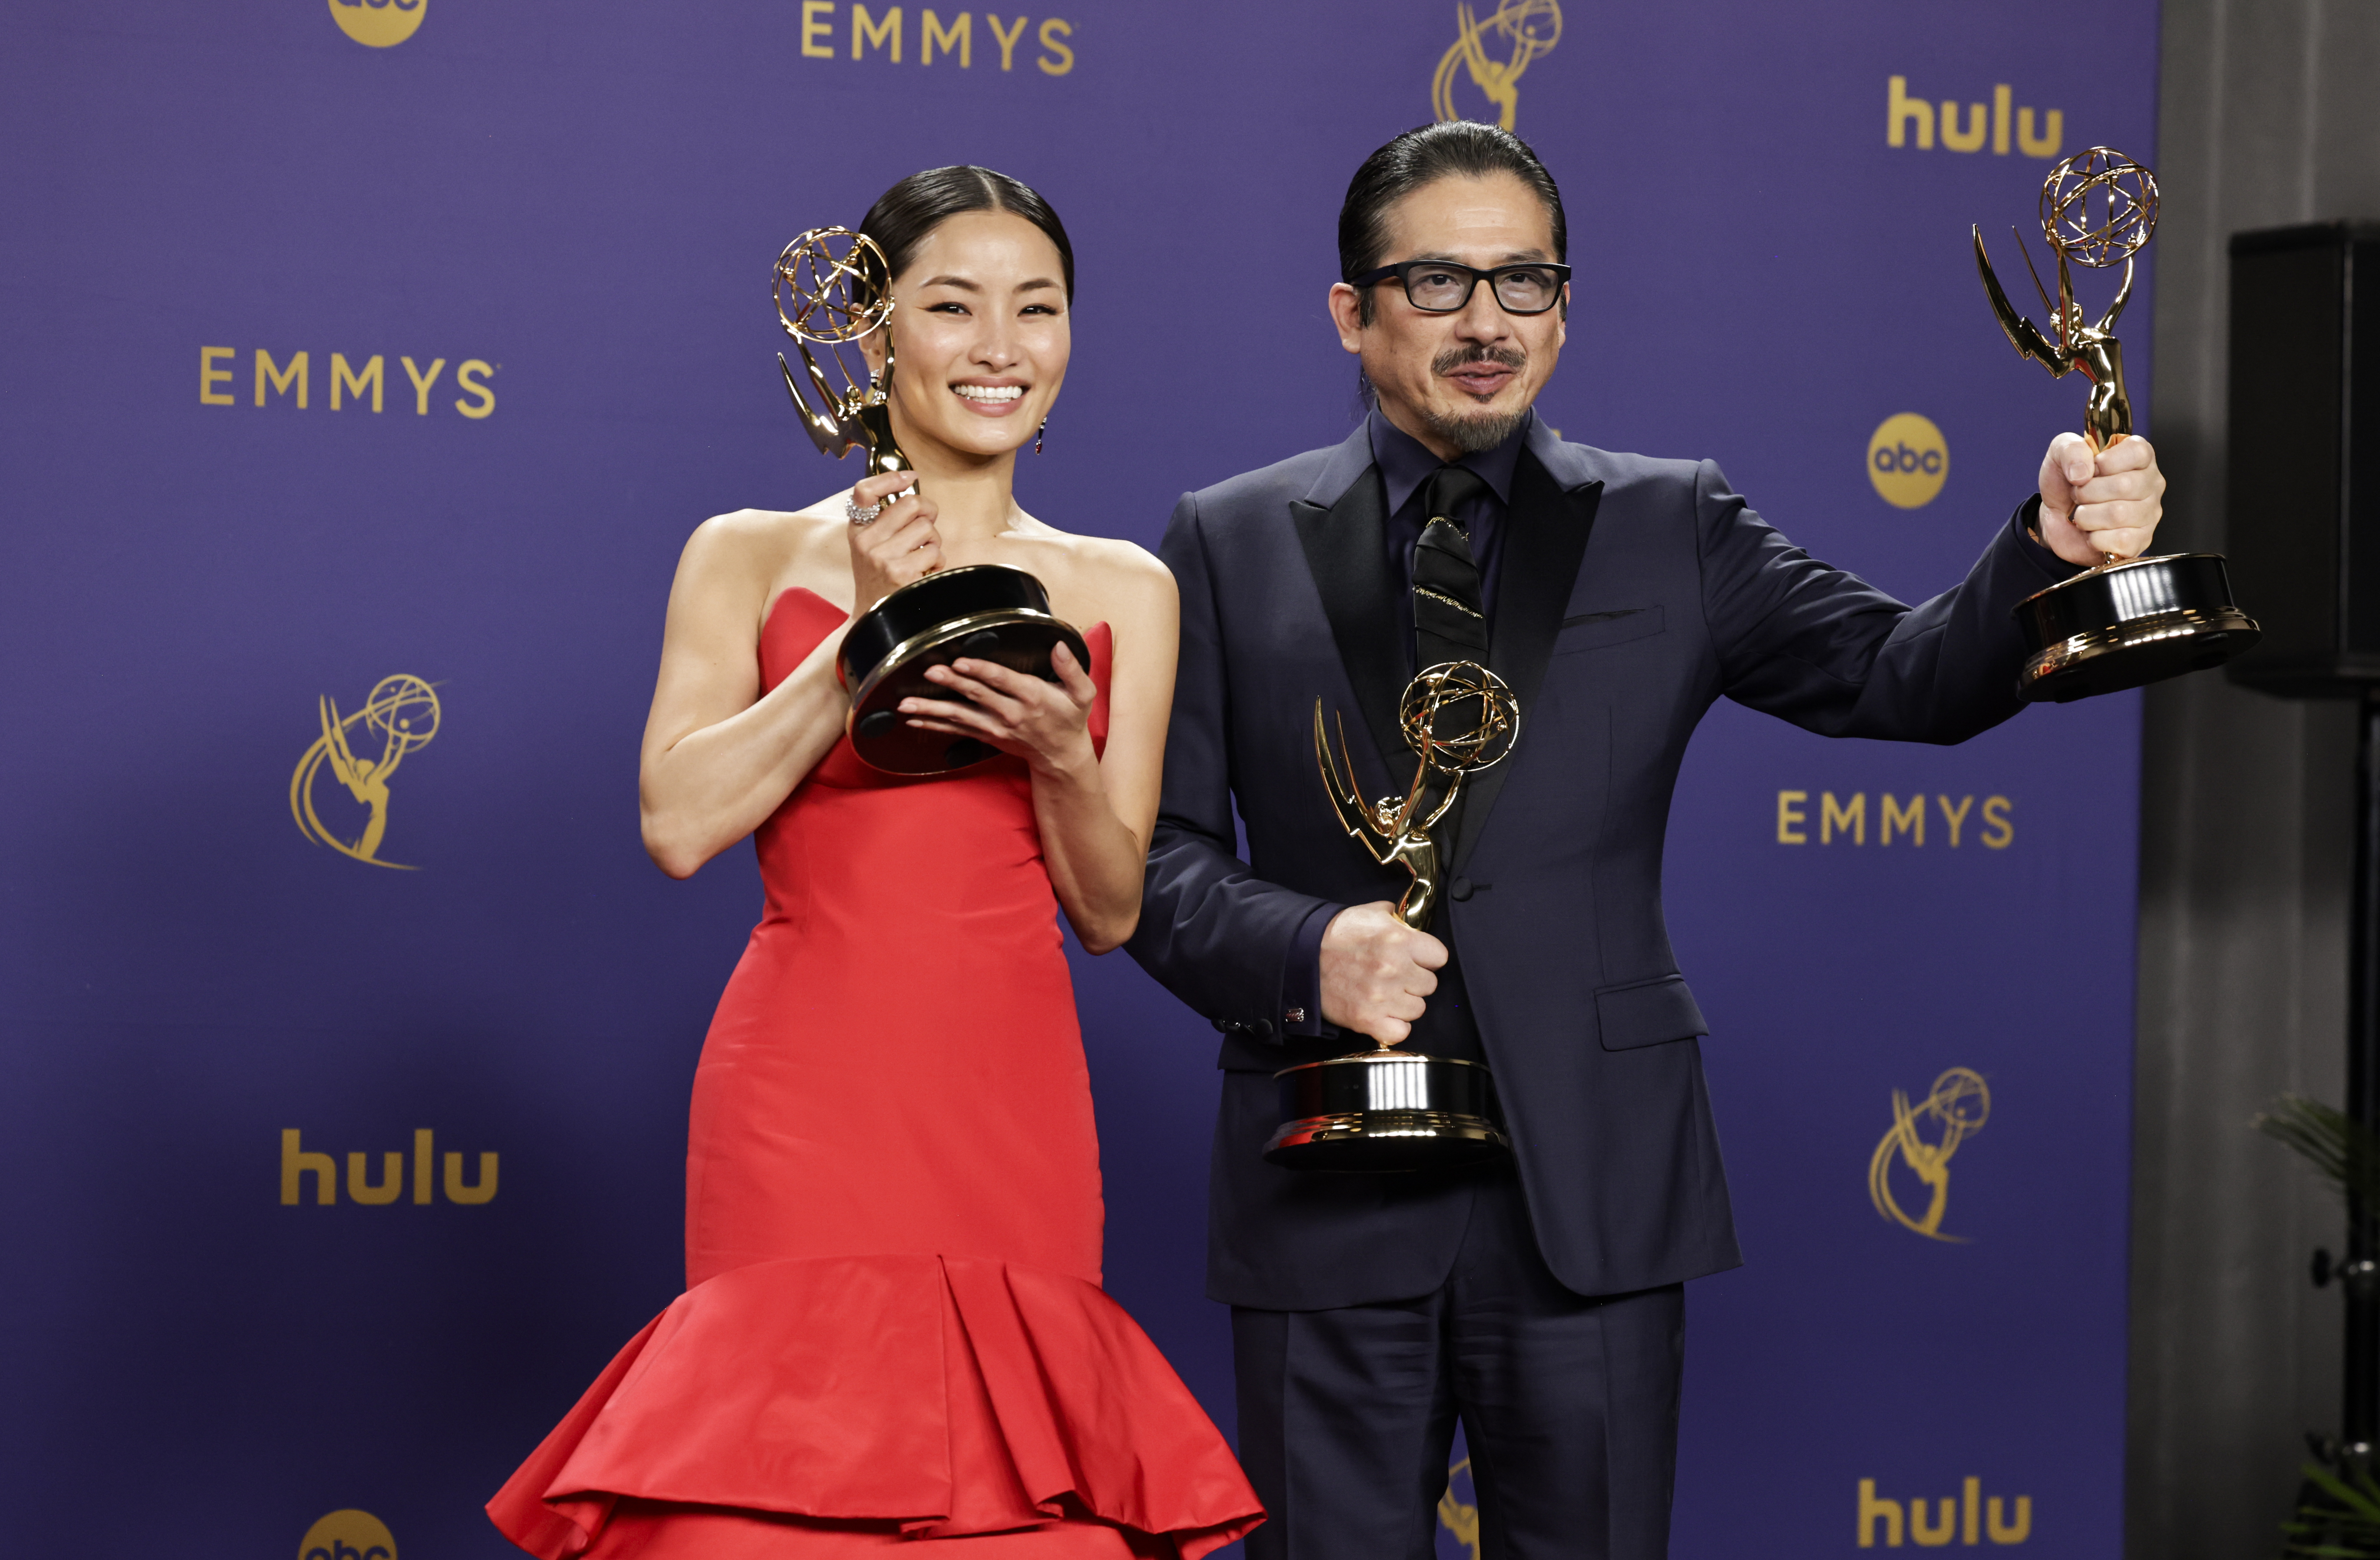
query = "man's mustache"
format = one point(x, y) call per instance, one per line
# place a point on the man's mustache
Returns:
point(1479, 352)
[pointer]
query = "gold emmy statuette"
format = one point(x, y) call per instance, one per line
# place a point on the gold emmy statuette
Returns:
point(841, 290)
point(832, 288)
point(1385, 1109)
point(2129, 620)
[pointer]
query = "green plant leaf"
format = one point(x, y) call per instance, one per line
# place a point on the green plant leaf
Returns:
point(2343, 1153)
point(2345, 1526)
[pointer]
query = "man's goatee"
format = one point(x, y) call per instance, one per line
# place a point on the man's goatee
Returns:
point(1479, 430)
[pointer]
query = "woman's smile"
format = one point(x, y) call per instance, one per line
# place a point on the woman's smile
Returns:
point(990, 398)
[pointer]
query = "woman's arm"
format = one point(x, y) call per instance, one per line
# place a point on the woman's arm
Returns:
point(1095, 815)
point(719, 756)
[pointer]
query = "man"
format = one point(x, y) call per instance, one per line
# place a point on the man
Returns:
point(1538, 1300)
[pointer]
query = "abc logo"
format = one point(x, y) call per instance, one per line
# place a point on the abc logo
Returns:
point(378, 24)
point(347, 1535)
point(1906, 460)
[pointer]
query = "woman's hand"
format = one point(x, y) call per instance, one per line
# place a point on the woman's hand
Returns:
point(1047, 724)
point(898, 546)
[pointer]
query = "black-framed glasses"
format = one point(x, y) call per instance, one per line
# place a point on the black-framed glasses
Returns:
point(1441, 286)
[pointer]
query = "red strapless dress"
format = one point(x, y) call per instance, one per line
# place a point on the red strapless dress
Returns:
point(892, 1328)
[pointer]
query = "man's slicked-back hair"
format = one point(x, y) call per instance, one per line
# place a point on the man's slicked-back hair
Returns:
point(1458, 149)
point(905, 213)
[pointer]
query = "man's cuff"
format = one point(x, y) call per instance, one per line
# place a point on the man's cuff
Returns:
point(2027, 524)
point(1299, 1011)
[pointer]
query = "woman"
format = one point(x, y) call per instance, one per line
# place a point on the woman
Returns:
point(892, 1328)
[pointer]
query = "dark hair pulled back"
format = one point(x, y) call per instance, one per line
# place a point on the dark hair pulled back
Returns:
point(1460, 147)
point(905, 213)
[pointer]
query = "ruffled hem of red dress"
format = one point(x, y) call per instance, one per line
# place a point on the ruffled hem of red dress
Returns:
point(919, 1396)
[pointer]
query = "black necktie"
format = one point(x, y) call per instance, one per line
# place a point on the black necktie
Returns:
point(1448, 621)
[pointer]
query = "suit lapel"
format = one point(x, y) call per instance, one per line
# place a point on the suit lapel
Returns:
point(1546, 539)
point(1349, 560)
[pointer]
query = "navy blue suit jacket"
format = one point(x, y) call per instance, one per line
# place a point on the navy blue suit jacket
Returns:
point(1634, 593)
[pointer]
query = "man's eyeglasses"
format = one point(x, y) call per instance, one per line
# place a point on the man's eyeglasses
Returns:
point(1442, 286)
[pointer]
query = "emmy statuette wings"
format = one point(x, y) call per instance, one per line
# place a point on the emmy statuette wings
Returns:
point(841, 292)
point(1458, 718)
point(832, 288)
point(2127, 622)
point(1385, 1109)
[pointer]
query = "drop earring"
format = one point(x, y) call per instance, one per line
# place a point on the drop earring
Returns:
point(1037, 434)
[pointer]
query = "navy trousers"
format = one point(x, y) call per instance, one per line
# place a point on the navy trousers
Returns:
point(1568, 1404)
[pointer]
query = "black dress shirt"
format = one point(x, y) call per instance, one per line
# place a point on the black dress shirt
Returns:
point(1405, 465)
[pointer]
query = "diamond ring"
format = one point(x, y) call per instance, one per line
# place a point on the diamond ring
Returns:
point(861, 517)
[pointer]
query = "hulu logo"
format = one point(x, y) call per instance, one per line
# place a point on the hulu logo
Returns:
point(297, 1162)
point(1907, 118)
point(1966, 1518)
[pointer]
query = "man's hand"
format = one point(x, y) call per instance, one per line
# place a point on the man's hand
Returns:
point(1376, 970)
point(2094, 507)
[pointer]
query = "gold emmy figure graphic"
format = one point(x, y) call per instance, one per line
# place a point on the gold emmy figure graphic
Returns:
point(840, 288)
point(1460, 1518)
point(1385, 1109)
point(1528, 27)
point(1960, 1105)
point(2130, 621)
point(403, 711)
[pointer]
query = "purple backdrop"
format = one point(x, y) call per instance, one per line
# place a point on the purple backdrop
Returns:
point(578, 204)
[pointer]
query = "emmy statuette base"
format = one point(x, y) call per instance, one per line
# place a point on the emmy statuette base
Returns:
point(1386, 1111)
point(2128, 625)
point(983, 611)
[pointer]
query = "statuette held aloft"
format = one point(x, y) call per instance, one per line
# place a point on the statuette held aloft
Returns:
point(2130, 621)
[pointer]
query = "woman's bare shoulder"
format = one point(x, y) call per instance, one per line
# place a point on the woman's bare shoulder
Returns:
point(1104, 579)
point(768, 545)
point(1106, 563)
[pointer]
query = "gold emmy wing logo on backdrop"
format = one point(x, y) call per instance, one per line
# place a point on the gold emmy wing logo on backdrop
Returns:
point(1907, 460)
point(1458, 1516)
point(347, 1535)
point(1493, 53)
point(379, 24)
point(403, 713)
point(1923, 1137)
